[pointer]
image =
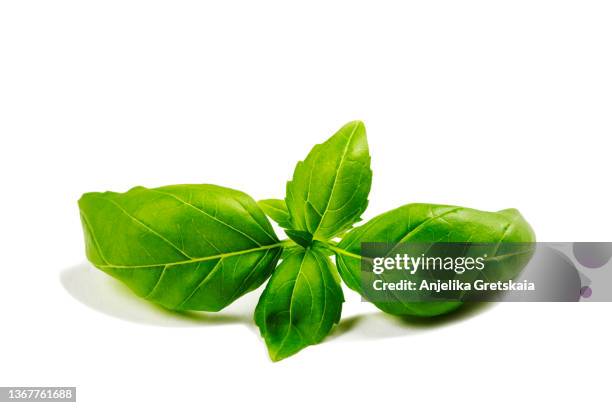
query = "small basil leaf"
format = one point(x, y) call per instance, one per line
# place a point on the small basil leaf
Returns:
point(185, 247)
point(301, 303)
point(302, 238)
point(329, 189)
point(431, 223)
point(277, 210)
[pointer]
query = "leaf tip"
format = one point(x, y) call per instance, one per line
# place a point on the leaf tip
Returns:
point(356, 123)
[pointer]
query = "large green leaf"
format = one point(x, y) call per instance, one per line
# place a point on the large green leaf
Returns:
point(186, 247)
point(429, 223)
point(329, 189)
point(301, 303)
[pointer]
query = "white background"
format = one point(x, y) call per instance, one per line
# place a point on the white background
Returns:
point(488, 104)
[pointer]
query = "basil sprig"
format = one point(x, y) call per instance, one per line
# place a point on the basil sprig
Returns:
point(200, 247)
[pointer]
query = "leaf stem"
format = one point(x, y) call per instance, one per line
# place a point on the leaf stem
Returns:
point(288, 243)
point(333, 247)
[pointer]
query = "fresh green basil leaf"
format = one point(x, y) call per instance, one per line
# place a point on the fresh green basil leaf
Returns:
point(185, 247)
point(301, 303)
point(329, 189)
point(277, 210)
point(302, 238)
point(429, 223)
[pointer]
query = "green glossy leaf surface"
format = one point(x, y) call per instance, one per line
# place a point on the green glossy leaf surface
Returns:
point(430, 223)
point(277, 210)
point(329, 189)
point(185, 247)
point(301, 303)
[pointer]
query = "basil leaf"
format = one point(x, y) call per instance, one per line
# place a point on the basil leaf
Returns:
point(429, 223)
point(301, 303)
point(277, 210)
point(186, 247)
point(302, 238)
point(329, 189)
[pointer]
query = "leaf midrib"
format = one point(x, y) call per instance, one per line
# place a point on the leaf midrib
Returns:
point(290, 325)
point(338, 169)
point(195, 260)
